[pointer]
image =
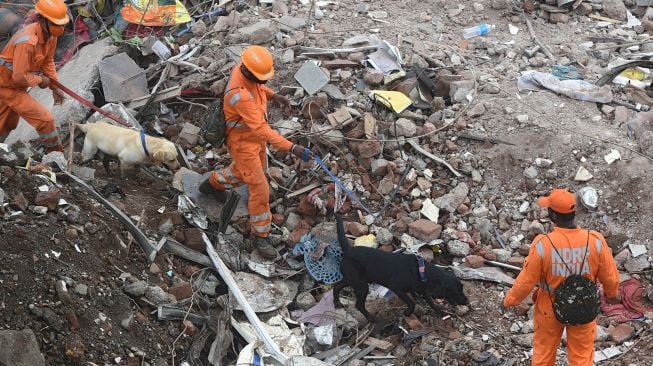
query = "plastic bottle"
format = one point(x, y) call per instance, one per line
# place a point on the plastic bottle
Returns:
point(479, 30)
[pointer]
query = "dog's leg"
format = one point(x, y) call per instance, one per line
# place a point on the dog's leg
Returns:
point(89, 150)
point(406, 299)
point(429, 301)
point(336, 294)
point(361, 295)
point(106, 162)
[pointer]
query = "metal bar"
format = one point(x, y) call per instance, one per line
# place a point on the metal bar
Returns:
point(225, 273)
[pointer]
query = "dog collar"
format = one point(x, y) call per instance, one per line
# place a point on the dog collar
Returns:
point(421, 268)
point(147, 153)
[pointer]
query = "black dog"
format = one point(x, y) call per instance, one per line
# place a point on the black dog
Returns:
point(400, 273)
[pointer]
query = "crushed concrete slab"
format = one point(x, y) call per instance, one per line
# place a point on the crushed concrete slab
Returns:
point(20, 348)
point(114, 72)
point(81, 75)
point(311, 77)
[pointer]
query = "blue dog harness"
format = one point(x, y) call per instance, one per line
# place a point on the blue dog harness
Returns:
point(421, 268)
point(147, 153)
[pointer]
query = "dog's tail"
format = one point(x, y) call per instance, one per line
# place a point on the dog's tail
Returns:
point(81, 126)
point(342, 239)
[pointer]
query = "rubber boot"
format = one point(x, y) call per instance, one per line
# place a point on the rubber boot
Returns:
point(207, 188)
point(265, 248)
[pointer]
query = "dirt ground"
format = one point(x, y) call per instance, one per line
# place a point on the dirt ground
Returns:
point(39, 251)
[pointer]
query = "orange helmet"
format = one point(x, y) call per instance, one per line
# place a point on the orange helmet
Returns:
point(53, 10)
point(258, 61)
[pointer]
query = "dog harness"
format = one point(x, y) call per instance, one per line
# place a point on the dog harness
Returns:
point(147, 153)
point(421, 268)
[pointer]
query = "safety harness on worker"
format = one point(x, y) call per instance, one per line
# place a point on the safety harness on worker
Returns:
point(577, 297)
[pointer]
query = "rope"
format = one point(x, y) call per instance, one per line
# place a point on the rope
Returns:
point(337, 181)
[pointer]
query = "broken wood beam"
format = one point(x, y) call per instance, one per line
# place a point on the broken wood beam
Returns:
point(384, 346)
point(419, 149)
point(306, 189)
point(225, 273)
point(162, 96)
point(339, 50)
point(470, 136)
point(141, 239)
point(537, 40)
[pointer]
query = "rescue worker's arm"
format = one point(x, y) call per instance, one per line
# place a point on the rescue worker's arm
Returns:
point(527, 279)
point(253, 117)
point(50, 71)
point(608, 273)
point(21, 74)
point(269, 93)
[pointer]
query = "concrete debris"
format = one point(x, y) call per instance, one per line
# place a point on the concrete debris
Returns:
point(20, 348)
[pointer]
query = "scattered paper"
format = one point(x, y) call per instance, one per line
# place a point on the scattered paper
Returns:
point(513, 30)
point(612, 156)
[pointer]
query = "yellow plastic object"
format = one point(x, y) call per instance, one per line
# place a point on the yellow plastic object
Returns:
point(160, 13)
point(397, 101)
point(633, 74)
point(366, 241)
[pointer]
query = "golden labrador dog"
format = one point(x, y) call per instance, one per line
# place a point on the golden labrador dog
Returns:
point(126, 145)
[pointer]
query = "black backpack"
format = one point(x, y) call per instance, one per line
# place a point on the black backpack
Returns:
point(577, 298)
point(214, 125)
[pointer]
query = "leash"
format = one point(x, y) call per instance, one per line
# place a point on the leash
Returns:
point(89, 104)
point(337, 181)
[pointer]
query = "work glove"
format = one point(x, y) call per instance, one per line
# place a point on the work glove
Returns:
point(45, 82)
point(57, 96)
point(282, 100)
point(302, 152)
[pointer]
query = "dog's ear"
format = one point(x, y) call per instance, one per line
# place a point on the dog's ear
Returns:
point(159, 156)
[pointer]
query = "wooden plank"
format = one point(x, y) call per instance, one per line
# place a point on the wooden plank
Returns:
point(306, 189)
point(385, 346)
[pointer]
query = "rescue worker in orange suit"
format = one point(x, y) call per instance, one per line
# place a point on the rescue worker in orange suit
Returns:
point(247, 134)
point(542, 268)
point(27, 61)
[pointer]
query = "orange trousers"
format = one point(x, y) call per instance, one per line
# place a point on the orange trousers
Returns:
point(248, 167)
point(548, 332)
point(16, 103)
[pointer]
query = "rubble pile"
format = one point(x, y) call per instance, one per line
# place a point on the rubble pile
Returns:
point(444, 143)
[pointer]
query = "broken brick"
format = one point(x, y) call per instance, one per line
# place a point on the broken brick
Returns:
point(357, 229)
point(621, 332)
point(425, 230)
point(474, 261)
point(193, 239)
point(181, 291)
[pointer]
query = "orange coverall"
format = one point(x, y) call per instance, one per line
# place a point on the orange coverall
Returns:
point(543, 267)
point(27, 53)
point(248, 132)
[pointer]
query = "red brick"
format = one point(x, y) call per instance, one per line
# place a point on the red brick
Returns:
point(425, 230)
point(516, 261)
point(181, 291)
point(621, 333)
point(49, 199)
point(193, 240)
point(357, 229)
point(474, 261)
